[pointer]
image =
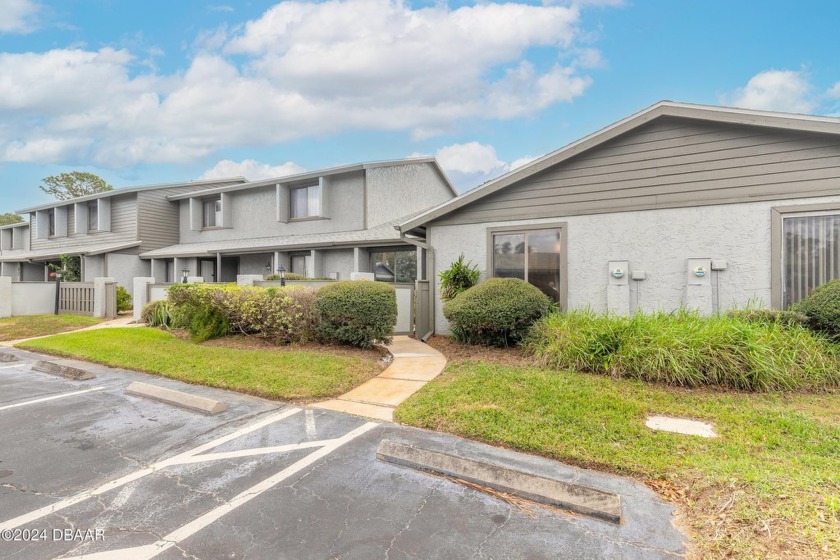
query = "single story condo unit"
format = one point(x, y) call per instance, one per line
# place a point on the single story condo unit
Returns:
point(677, 206)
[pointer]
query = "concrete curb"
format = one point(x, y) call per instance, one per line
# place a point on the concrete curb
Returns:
point(5, 357)
point(177, 398)
point(573, 497)
point(69, 372)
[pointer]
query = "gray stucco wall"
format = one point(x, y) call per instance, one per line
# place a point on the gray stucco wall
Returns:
point(125, 268)
point(656, 241)
point(254, 264)
point(397, 191)
point(94, 267)
point(339, 260)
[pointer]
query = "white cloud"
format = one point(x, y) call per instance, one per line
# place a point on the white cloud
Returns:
point(834, 91)
point(776, 90)
point(18, 16)
point(251, 170)
point(472, 163)
point(300, 70)
point(469, 158)
point(220, 8)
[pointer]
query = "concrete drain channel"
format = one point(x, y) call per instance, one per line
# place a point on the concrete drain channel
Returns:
point(576, 498)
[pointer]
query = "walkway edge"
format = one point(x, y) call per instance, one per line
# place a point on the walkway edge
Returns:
point(574, 497)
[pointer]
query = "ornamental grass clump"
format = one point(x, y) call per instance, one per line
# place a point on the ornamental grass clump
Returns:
point(685, 349)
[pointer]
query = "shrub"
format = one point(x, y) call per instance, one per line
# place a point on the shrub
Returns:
point(497, 312)
point(289, 276)
point(124, 300)
point(360, 313)
point(822, 309)
point(156, 314)
point(459, 277)
point(283, 315)
point(685, 349)
point(191, 307)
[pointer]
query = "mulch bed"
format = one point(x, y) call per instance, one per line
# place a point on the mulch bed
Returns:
point(454, 352)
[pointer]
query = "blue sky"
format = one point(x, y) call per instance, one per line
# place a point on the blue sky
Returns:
point(152, 92)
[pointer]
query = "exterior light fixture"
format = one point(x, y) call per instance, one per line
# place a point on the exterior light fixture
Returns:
point(184, 274)
point(281, 271)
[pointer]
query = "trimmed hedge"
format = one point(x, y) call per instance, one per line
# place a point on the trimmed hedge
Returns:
point(822, 309)
point(685, 349)
point(361, 313)
point(496, 312)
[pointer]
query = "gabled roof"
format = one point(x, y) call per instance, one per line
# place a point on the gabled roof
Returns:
point(309, 175)
point(767, 119)
point(129, 190)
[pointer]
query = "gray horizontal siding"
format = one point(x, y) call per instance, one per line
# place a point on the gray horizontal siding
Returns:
point(158, 219)
point(123, 228)
point(667, 164)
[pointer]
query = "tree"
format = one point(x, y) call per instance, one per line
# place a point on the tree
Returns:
point(9, 218)
point(74, 184)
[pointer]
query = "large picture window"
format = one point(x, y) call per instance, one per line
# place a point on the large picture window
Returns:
point(394, 265)
point(534, 255)
point(810, 254)
point(305, 202)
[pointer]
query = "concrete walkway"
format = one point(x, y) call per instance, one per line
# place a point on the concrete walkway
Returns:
point(414, 365)
point(119, 322)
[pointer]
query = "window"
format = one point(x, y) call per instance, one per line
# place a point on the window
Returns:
point(298, 264)
point(51, 228)
point(394, 265)
point(305, 202)
point(810, 254)
point(212, 212)
point(536, 256)
point(93, 216)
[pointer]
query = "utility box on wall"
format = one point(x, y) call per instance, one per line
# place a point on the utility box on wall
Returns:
point(698, 286)
point(618, 287)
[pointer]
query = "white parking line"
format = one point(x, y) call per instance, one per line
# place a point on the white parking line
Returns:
point(10, 367)
point(52, 398)
point(122, 481)
point(150, 551)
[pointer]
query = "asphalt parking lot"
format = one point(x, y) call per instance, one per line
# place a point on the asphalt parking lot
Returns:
point(88, 471)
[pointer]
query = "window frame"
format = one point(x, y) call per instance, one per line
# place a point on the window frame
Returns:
point(218, 212)
point(93, 209)
point(563, 287)
point(308, 216)
point(777, 241)
point(51, 223)
point(393, 249)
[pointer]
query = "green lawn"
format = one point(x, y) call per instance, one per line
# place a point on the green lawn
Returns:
point(768, 487)
point(15, 328)
point(275, 374)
